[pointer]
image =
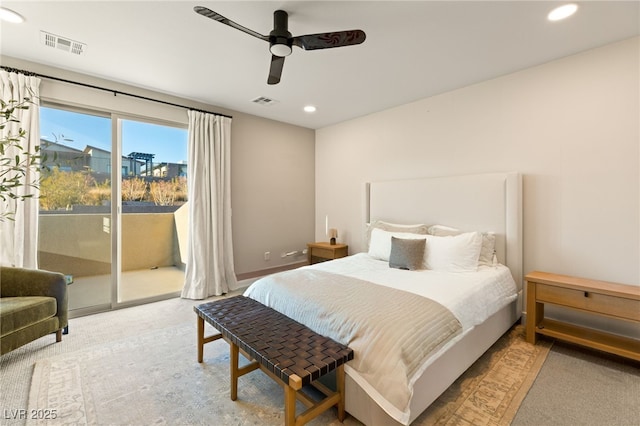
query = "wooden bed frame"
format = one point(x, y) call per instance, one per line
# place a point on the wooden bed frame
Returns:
point(485, 202)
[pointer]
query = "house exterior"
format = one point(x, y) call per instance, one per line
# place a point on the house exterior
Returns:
point(98, 161)
point(170, 170)
point(65, 157)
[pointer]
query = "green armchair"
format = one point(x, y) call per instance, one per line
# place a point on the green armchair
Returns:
point(33, 303)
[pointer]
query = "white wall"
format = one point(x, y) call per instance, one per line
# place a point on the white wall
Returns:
point(273, 191)
point(571, 127)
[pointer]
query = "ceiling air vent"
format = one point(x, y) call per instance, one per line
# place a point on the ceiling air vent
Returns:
point(264, 101)
point(62, 43)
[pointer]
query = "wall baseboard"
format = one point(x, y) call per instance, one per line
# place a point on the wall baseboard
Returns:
point(269, 271)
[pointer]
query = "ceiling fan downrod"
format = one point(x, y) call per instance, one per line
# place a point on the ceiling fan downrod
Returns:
point(280, 40)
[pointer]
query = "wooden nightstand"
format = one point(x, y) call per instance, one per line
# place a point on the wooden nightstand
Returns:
point(595, 297)
point(321, 252)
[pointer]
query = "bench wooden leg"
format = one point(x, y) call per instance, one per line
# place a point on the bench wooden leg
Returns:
point(200, 339)
point(59, 335)
point(289, 405)
point(340, 386)
point(234, 351)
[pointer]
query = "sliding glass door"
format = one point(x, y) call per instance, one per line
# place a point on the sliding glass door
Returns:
point(120, 252)
point(154, 210)
point(75, 204)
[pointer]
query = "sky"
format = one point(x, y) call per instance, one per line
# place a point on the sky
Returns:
point(77, 130)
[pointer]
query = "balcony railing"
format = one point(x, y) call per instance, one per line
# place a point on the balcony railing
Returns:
point(79, 244)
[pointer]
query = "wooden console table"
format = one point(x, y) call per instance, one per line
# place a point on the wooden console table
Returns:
point(597, 297)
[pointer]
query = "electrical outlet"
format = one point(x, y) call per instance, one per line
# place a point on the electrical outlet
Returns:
point(267, 255)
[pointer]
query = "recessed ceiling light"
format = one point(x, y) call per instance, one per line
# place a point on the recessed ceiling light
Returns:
point(9, 15)
point(309, 108)
point(562, 12)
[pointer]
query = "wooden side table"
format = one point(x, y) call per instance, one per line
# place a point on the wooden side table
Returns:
point(595, 297)
point(321, 252)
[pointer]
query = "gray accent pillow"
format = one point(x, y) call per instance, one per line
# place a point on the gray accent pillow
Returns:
point(407, 253)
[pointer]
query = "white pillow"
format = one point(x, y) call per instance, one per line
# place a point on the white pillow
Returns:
point(488, 242)
point(417, 228)
point(453, 253)
point(380, 244)
point(443, 231)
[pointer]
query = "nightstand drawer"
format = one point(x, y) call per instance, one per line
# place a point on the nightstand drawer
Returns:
point(323, 252)
point(589, 301)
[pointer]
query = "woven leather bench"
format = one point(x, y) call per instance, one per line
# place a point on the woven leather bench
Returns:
point(290, 353)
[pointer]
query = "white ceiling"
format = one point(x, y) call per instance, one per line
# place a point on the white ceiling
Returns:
point(413, 49)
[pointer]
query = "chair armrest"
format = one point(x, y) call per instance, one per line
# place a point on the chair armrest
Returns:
point(22, 282)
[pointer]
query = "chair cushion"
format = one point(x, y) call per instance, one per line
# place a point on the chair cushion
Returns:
point(20, 312)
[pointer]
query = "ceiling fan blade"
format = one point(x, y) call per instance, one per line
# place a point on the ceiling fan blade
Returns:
point(217, 17)
point(275, 71)
point(329, 40)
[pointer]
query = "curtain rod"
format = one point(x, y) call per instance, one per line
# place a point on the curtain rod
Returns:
point(115, 92)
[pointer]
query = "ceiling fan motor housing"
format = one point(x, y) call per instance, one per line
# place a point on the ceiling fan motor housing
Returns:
point(280, 39)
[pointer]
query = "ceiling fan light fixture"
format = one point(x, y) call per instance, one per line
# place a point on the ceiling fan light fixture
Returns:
point(280, 49)
point(562, 12)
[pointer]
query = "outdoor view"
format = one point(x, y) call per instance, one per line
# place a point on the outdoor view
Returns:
point(77, 224)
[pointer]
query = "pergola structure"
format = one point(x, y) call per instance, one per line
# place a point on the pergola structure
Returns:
point(148, 161)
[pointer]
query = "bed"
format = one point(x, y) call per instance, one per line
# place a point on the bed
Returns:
point(414, 331)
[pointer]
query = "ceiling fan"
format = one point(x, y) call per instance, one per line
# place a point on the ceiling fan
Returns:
point(281, 41)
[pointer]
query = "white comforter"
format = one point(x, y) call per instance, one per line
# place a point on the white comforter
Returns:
point(472, 297)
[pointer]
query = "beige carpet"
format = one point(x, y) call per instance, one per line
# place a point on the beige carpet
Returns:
point(154, 378)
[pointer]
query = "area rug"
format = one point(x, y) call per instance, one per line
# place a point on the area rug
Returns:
point(492, 389)
point(154, 379)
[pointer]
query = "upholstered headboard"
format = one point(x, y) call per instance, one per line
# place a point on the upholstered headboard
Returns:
point(483, 202)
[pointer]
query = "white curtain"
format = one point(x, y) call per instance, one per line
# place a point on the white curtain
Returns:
point(209, 267)
point(19, 237)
